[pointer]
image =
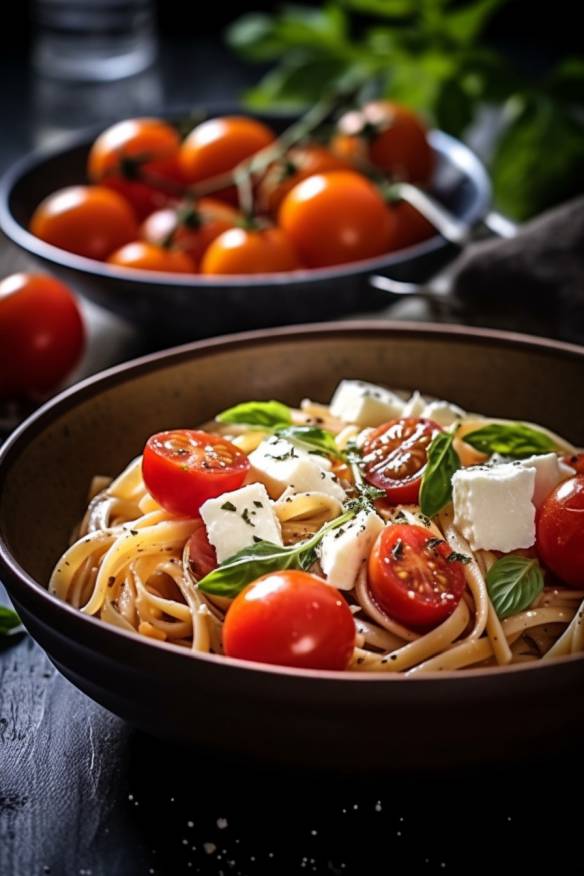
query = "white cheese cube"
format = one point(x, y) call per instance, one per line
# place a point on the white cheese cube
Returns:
point(365, 403)
point(493, 507)
point(342, 550)
point(442, 412)
point(549, 472)
point(278, 463)
point(238, 519)
point(415, 405)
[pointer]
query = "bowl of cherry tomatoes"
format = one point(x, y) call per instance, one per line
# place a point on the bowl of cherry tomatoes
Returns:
point(244, 221)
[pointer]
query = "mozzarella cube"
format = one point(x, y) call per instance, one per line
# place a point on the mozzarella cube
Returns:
point(549, 472)
point(442, 412)
point(365, 404)
point(493, 507)
point(238, 519)
point(415, 405)
point(278, 463)
point(343, 550)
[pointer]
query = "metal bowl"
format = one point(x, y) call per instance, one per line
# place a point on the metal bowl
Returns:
point(186, 307)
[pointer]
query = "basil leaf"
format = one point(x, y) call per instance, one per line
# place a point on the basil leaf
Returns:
point(510, 439)
point(263, 557)
point(436, 486)
point(313, 438)
point(268, 415)
point(10, 623)
point(513, 582)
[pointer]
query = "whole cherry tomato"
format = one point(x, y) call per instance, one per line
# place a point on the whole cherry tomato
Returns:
point(290, 618)
point(250, 251)
point(412, 578)
point(560, 531)
point(41, 334)
point(91, 221)
point(218, 145)
point(395, 455)
point(409, 226)
point(149, 257)
point(336, 217)
point(191, 228)
point(299, 163)
point(183, 468)
point(139, 158)
point(388, 136)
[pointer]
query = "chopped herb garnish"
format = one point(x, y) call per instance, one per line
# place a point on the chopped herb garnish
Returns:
point(433, 543)
point(245, 516)
point(228, 506)
point(257, 503)
point(455, 557)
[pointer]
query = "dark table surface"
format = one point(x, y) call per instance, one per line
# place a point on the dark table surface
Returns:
point(81, 792)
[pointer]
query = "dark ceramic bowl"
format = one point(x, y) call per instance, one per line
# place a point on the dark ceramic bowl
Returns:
point(356, 720)
point(187, 307)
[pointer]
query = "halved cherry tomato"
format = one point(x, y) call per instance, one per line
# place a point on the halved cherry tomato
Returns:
point(336, 217)
point(191, 229)
point(183, 468)
point(411, 578)
point(560, 531)
point(149, 257)
point(41, 334)
point(389, 136)
point(218, 145)
point(299, 163)
point(137, 148)
point(576, 460)
point(290, 618)
point(202, 554)
point(395, 455)
point(90, 221)
point(250, 251)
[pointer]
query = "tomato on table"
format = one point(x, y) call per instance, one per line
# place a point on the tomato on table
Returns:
point(202, 554)
point(336, 217)
point(290, 618)
point(91, 221)
point(219, 145)
point(250, 251)
point(185, 467)
point(190, 227)
point(560, 531)
point(299, 163)
point(411, 577)
point(150, 257)
point(390, 137)
point(137, 148)
point(395, 455)
point(41, 334)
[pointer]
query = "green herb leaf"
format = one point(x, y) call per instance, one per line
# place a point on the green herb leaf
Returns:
point(510, 439)
point(513, 582)
point(436, 487)
point(262, 415)
point(312, 438)
point(10, 623)
point(263, 557)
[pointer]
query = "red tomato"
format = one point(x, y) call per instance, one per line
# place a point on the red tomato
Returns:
point(336, 217)
point(250, 251)
point(560, 531)
point(395, 455)
point(219, 145)
point(202, 555)
point(409, 226)
point(291, 619)
point(299, 163)
point(191, 229)
point(41, 334)
point(90, 221)
point(389, 136)
point(134, 147)
point(184, 468)
point(576, 460)
point(411, 578)
point(149, 257)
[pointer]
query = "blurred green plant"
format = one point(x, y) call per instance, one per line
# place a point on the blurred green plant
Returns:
point(430, 55)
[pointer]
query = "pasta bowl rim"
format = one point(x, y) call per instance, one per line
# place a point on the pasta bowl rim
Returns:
point(124, 372)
